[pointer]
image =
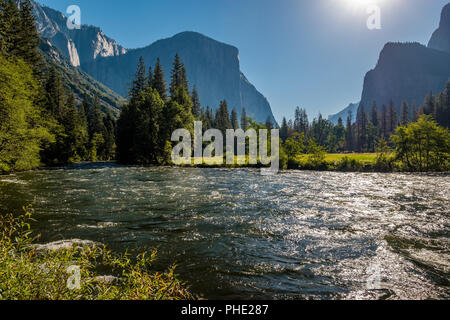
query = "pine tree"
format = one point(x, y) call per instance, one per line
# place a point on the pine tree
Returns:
point(28, 36)
point(73, 147)
point(95, 118)
point(234, 120)
point(301, 122)
point(405, 113)
point(393, 118)
point(210, 117)
point(97, 131)
point(361, 129)
point(110, 144)
point(10, 26)
point(196, 103)
point(384, 123)
point(178, 76)
point(148, 145)
point(339, 131)
point(150, 77)
point(374, 115)
point(428, 106)
point(445, 121)
point(244, 120)
point(349, 138)
point(223, 122)
point(269, 124)
point(159, 82)
point(140, 80)
point(55, 93)
point(414, 117)
point(284, 131)
point(2, 28)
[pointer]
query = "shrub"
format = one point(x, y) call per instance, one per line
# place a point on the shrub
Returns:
point(28, 274)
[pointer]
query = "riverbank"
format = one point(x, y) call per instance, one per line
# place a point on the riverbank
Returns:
point(354, 162)
point(339, 162)
point(70, 270)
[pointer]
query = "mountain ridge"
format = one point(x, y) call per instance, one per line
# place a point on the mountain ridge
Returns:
point(213, 67)
point(410, 71)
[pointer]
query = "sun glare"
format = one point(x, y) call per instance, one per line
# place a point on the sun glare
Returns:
point(358, 4)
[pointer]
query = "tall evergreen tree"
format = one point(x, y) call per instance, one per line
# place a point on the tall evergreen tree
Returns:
point(55, 93)
point(384, 123)
point(148, 145)
point(349, 137)
point(196, 103)
point(10, 29)
point(405, 113)
point(223, 122)
point(361, 129)
point(414, 117)
point(301, 123)
point(28, 36)
point(110, 139)
point(284, 131)
point(244, 120)
point(2, 28)
point(178, 75)
point(140, 80)
point(158, 82)
point(269, 124)
point(429, 104)
point(374, 115)
point(393, 118)
point(150, 77)
point(234, 120)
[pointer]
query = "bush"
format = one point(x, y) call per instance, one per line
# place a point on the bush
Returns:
point(28, 274)
point(423, 146)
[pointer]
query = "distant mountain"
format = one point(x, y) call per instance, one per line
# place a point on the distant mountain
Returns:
point(406, 71)
point(441, 37)
point(353, 108)
point(78, 81)
point(410, 71)
point(213, 67)
point(79, 46)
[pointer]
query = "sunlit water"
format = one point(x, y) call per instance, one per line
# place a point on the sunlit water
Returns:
point(238, 235)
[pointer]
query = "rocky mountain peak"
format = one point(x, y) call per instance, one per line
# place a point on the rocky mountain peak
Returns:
point(441, 37)
point(79, 46)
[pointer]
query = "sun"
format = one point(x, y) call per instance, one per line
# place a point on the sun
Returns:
point(357, 4)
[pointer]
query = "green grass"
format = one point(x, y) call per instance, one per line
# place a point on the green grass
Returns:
point(29, 274)
point(332, 157)
point(353, 162)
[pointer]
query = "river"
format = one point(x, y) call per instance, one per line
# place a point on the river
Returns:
point(235, 234)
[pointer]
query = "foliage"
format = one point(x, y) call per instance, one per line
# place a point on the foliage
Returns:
point(294, 145)
point(26, 274)
point(22, 127)
point(423, 146)
point(146, 124)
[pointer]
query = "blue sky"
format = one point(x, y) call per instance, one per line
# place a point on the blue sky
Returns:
point(308, 53)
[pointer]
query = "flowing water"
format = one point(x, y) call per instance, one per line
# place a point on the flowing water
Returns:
point(235, 234)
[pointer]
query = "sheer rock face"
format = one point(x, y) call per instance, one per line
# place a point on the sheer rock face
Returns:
point(80, 46)
point(406, 71)
point(441, 37)
point(213, 67)
point(410, 71)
